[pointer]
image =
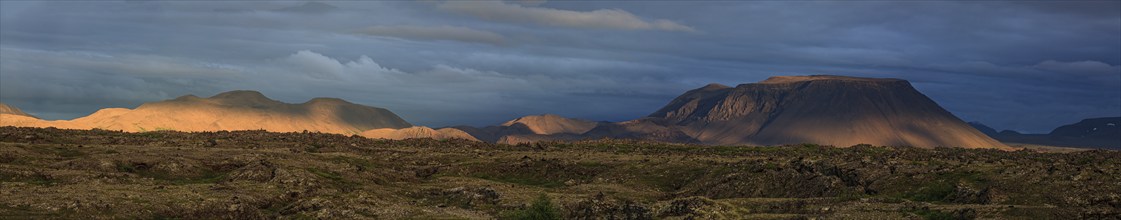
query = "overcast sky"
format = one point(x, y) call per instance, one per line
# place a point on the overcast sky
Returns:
point(1023, 66)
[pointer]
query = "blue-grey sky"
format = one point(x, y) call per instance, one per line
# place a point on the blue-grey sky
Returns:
point(1028, 66)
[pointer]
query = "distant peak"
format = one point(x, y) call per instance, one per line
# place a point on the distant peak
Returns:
point(529, 117)
point(540, 117)
point(186, 97)
point(240, 94)
point(327, 100)
point(793, 79)
point(714, 86)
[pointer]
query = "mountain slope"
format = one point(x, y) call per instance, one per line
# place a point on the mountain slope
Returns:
point(985, 129)
point(532, 128)
point(1107, 128)
point(236, 110)
point(7, 109)
point(547, 124)
point(417, 132)
point(832, 110)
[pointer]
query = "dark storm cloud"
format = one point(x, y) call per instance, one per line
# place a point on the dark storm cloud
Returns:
point(1028, 66)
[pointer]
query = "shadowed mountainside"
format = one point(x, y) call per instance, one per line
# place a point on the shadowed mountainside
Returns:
point(531, 128)
point(831, 110)
point(1089, 133)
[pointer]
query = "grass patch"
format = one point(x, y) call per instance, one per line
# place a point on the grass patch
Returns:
point(206, 177)
point(672, 178)
point(37, 179)
point(933, 214)
point(64, 152)
point(336, 179)
point(27, 212)
point(943, 185)
point(932, 192)
point(358, 162)
point(522, 179)
point(326, 174)
point(551, 173)
point(68, 152)
point(151, 134)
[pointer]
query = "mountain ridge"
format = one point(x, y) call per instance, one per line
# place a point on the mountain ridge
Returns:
point(1099, 132)
point(234, 110)
point(12, 110)
point(819, 109)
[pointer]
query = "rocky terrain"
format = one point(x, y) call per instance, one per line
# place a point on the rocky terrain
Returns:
point(101, 174)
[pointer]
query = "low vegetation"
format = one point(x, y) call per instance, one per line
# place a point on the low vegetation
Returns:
point(53, 173)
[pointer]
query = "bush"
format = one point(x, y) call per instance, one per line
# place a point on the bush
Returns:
point(541, 209)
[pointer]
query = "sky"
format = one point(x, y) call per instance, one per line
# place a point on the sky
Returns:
point(1025, 66)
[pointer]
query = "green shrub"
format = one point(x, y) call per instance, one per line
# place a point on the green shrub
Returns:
point(541, 209)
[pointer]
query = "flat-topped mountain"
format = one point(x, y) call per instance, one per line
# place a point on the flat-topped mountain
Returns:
point(235, 110)
point(832, 110)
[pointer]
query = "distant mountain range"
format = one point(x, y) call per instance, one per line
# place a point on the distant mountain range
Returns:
point(1088, 133)
point(235, 110)
point(829, 110)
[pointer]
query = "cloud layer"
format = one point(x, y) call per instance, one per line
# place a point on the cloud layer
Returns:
point(1025, 66)
point(435, 33)
point(600, 18)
